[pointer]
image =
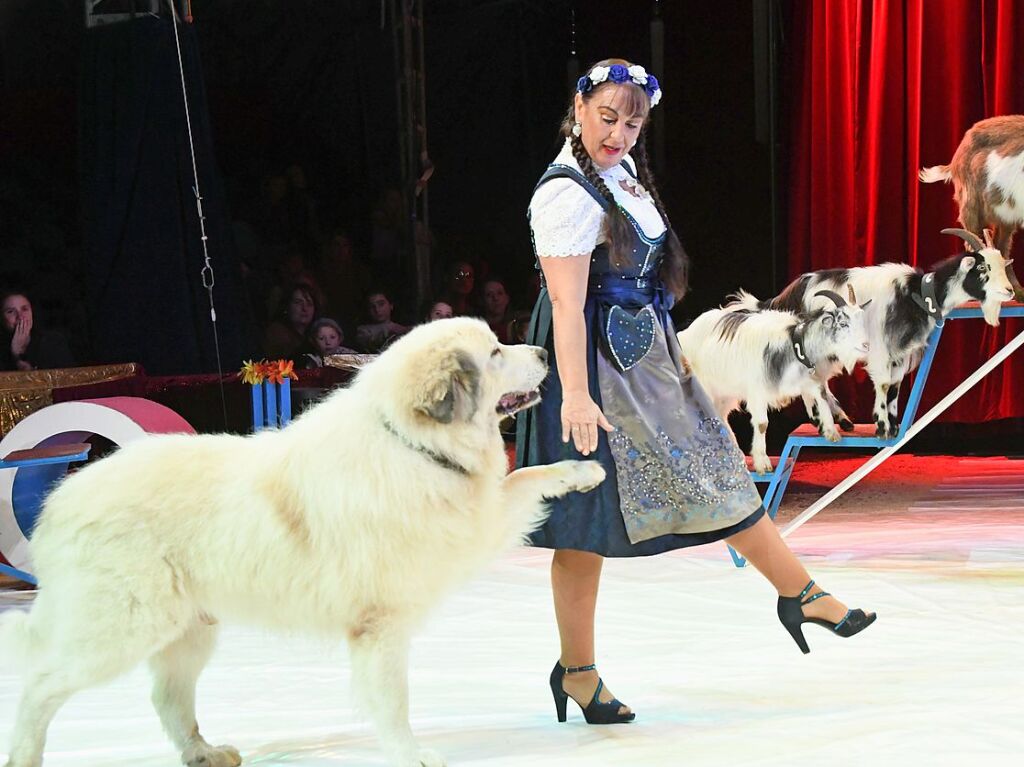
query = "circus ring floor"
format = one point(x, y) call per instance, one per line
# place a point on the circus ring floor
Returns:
point(934, 544)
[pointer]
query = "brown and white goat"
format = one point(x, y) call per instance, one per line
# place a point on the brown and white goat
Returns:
point(987, 171)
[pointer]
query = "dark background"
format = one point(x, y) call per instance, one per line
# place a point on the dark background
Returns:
point(312, 83)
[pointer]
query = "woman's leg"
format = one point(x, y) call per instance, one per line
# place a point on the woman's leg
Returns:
point(764, 548)
point(575, 576)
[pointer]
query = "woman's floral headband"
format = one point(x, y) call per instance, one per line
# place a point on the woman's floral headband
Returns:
point(618, 73)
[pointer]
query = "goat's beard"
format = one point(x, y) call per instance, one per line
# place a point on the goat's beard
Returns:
point(850, 361)
point(990, 309)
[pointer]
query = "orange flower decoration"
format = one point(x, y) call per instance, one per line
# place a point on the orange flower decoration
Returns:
point(251, 373)
point(255, 373)
point(279, 370)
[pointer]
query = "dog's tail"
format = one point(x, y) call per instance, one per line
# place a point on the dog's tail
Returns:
point(935, 173)
point(16, 639)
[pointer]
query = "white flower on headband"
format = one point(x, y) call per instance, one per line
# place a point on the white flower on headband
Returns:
point(656, 97)
point(638, 74)
point(599, 74)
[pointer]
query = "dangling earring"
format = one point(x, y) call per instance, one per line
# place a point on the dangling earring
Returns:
point(577, 129)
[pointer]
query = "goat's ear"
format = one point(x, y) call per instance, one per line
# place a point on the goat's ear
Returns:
point(866, 303)
point(967, 263)
point(849, 290)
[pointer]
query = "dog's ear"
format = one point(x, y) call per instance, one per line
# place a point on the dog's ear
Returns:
point(452, 390)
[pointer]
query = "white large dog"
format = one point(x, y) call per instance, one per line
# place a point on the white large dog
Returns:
point(351, 522)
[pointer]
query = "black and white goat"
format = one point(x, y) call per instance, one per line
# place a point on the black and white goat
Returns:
point(768, 358)
point(908, 303)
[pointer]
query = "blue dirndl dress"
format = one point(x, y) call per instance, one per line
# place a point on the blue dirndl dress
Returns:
point(676, 477)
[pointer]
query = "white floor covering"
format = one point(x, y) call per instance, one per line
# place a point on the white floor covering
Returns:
point(690, 642)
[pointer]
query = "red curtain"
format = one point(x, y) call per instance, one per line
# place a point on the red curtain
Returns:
point(878, 89)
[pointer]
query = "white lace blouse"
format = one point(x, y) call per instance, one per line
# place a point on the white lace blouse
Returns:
point(567, 221)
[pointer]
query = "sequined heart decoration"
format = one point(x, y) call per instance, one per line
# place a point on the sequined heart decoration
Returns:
point(629, 338)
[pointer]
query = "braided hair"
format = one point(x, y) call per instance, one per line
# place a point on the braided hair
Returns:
point(675, 263)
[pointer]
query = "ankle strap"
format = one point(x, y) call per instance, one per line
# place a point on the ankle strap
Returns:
point(806, 590)
point(579, 669)
point(804, 593)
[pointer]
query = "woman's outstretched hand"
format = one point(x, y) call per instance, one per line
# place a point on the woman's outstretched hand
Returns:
point(580, 418)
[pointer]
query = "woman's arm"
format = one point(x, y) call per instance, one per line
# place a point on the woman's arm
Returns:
point(566, 279)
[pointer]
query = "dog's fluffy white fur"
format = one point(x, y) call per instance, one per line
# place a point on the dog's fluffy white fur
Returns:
point(352, 522)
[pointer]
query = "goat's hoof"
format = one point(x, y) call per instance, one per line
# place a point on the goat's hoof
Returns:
point(763, 465)
point(832, 435)
point(845, 424)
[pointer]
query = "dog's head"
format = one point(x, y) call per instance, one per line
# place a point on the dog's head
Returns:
point(455, 370)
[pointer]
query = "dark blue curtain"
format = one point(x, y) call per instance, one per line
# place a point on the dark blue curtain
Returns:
point(141, 227)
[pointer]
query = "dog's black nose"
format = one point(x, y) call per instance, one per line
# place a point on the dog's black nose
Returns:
point(543, 354)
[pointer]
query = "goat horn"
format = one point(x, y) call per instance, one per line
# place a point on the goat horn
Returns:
point(969, 237)
point(833, 297)
point(989, 242)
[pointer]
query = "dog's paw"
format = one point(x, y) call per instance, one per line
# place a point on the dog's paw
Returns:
point(33, 763)
point(583, 476)
point(204, 755)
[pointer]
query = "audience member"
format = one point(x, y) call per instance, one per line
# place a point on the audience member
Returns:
point(459, 281)
point(436, 310)
point(389, 234)
point(381, 330)
point(344, 278)
point(26, 347)
point(326, 337)
point(496, 301)
point(285, 336)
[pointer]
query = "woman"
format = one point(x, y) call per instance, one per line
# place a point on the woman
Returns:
point(496, 301)
point(612, 267)
point(25, 347)
point(285, 337)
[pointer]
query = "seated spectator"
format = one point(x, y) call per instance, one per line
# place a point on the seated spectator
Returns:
point(285, 337)
point(436, 310)
point(459, 281)
point(326, 336)
point(344, 278)
point(496, 301)
point(375, 336)
point(26, 346)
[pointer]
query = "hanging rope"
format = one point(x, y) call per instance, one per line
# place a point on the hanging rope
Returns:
point(206, 273)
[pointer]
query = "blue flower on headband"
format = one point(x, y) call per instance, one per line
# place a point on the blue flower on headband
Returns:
point(618, 73)
point(584, 84)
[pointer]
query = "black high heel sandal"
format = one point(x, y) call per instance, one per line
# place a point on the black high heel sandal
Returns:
point(596, 711)
point(791, 614)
